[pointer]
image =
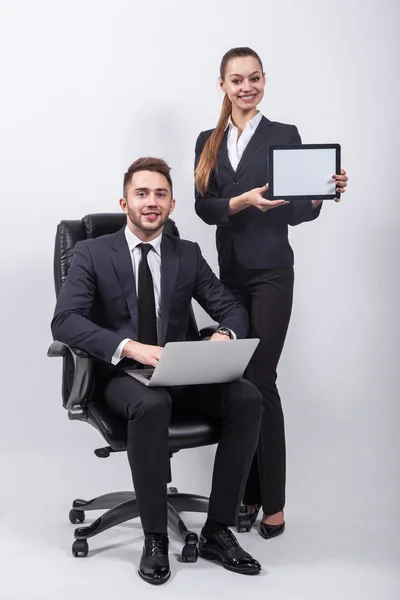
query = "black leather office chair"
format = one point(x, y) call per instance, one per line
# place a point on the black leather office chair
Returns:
point(185, 431)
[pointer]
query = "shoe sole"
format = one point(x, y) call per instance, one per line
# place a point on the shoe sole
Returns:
point(215, 558)
point(154, 581)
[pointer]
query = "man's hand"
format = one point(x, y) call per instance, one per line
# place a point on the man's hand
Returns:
point(255, 198)
point(219, 337)
point(143, 353)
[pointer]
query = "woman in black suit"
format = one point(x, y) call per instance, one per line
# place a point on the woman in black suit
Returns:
point(255, 257)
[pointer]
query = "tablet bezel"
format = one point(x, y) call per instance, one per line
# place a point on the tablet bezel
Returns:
point(304, 147)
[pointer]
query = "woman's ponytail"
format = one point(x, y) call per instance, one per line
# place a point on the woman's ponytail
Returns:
point(209, 155)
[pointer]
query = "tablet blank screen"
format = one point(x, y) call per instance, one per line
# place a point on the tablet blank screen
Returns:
point(304, 172)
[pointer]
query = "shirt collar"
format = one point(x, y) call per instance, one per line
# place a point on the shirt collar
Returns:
point(253, 123)
point(133, 241)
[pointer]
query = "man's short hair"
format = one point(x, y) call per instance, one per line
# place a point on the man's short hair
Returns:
point(147, 163)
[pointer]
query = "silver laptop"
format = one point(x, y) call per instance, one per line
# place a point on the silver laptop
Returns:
point(198, 363)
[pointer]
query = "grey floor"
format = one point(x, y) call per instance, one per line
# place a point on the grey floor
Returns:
point(317, 558)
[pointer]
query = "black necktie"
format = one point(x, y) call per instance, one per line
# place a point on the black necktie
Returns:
point(147, 305)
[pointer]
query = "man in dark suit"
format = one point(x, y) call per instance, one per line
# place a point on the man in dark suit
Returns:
point(126, 296)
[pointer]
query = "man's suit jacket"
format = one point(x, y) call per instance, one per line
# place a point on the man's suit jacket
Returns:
point(97, 307)
point(259, 239)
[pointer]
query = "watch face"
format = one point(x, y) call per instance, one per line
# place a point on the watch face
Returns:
point(224, 331)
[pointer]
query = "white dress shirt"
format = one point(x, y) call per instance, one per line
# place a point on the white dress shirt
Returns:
point(236, 146)
point(154, 262)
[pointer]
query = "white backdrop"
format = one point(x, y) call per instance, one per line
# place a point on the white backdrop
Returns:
point(88, 86)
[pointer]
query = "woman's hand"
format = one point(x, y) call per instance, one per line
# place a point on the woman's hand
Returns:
point(341, 184)
point(253, 198)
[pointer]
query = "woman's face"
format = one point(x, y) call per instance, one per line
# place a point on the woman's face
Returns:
point(244, 82)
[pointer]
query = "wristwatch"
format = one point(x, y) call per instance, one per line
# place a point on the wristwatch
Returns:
point(224, 331)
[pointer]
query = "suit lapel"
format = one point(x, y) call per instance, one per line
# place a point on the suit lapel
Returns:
point(169, 273)
point(261, 134)
point(122, 262)
point(223, 154)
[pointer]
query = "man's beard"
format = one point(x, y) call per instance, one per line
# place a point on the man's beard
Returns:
point(148, 227)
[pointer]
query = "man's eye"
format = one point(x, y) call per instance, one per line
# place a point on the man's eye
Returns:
point(141, 194)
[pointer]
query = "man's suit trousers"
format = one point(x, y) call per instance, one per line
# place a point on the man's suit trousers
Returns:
point(237, 407)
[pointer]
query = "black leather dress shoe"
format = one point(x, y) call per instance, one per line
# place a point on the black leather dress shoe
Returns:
point(154, 564)
point(271, 531)
point(224, 548)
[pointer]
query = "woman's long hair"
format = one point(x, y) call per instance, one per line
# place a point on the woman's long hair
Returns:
point(209, 155)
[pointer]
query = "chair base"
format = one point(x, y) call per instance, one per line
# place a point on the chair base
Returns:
point(122, 507)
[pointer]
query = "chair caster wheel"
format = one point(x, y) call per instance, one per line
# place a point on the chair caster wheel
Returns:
point(173, 490)
point(190, 553)
point(76, 516)
point(80, 548)
point(243, 521)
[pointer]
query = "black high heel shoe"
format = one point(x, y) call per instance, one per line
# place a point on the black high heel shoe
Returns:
point(271, 531)
point(253, 516)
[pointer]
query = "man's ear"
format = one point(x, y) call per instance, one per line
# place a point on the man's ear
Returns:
point(171, 208)
point(123, 205)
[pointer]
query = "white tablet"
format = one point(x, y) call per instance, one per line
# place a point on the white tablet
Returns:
point(303, 171)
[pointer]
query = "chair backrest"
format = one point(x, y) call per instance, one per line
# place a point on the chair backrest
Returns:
point(92, 226)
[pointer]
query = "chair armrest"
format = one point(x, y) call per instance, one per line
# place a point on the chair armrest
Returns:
point(207, 332)
point(60, 349)
point(83, 378)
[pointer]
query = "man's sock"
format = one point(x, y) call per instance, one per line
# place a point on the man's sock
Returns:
point(211, 527)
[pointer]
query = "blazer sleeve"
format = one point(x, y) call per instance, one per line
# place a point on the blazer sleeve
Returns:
point(71, 322)
point(217, 300)
point(211, 208)
point(301, 211)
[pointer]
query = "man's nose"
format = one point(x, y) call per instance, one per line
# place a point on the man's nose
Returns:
point(151, 199)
